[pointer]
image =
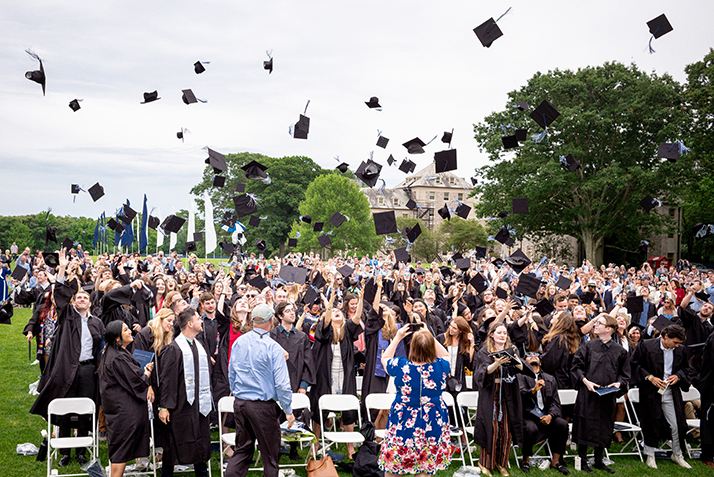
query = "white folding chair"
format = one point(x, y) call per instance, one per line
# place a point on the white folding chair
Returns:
point(358, 380)
point(467, 401)
point(568, 397)
point(339, 403)
point(690, 395)
point(470, 381)
point(82, 406)
point(225, 406)
point(631, 425)
point(300, 401)
point(378, 402)
point(455, 427)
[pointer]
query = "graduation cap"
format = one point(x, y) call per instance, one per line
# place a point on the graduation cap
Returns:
point(370, 290)
point(51, 259)
point(96, 191)
point(240, 188)
point(488, 32)
point(463, 210)
point(445, 160)
point(456, 256)
point(660, 323)
point(67, 243)
point(522, 105)
point(415, 146)
point(318, 281)
point(38, 76)
point(544, 307)
point(373, 102)
point(503, 235)
point(520, 205)
point(474, 181)
point(528, 285)
point(198, 236)
point(302, 127)
point(217, 161)
point(292, 242)
point(669, 151)
point(445, 271)
point(385, 223)
point(391, 160)
point(310, 296)
point(19, 272)
point(317, 226)
point(642, 247)
point(563, 283)
point(343, 167)
point(444, 212)
point(521, 134)
point(401, 255)
point(191, 246)
point(50, 233)
point(260, 245)
point(569, 162)
point(382, 142)
point(150, 97)
point(306, 218)
point(188, 97)
point(411, 205)
point(509, 142)
point(258, 282)
point(74, 105)
point(462, 263)
point(346, 271)
point(76, 188)
point(244, 205)
point(447, 137)
point(503, 214)
point(293, 274)
point(544, 114)
point(368, 172)
point(648, 203)
point(227, 247)
point(172, 223)
point(518, 260)
point(702, 295)
point(481, 252)
point(407, 166)
point(153, 222)
point(324, 240)
point(219, 181)
point(255, 170)
point(501, 293)
point(181, 133)
point(115, 226)
point(479, 283)
point(254, 221)
point(587, 297)
point(634, 304)
point(127, 215)
point(268, 65)
point(198, 67)
point(337, 219)
point(413, 233)
point(659, 26)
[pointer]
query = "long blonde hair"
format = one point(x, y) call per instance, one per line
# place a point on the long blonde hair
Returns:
point(389, 330)
point(490, 341)
point(161, 338)
point(337, 337)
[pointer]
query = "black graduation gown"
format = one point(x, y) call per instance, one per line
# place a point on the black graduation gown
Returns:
point(594, 415)
point(697, 332)
point(484, 383)
point(323, 364)
point(123, 387)
point(370, 382)
point(551, 400)
point(113, 306)
point(299, 348)
point(141, 301)
point(462, 363)
point(648, 358)
point(64, 360)
point(189, 430)
point(706, 388)
point(556, 360)
point(144, 340)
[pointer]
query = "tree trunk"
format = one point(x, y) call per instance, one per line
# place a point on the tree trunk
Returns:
point(593, 245)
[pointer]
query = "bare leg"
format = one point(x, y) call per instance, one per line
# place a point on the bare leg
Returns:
point(316, 430)
point(118, 469)
point(620, 415)
point(350, 446)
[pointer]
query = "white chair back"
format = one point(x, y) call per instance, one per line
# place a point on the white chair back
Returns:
point(378, 401)
point(567, 396)
point(691, 394)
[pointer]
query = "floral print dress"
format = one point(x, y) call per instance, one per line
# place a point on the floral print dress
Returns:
point(417, 437)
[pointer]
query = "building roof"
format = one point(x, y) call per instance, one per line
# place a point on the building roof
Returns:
point(389, 195)
point(427, 177)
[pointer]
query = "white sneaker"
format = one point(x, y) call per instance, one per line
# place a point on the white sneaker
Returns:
point(679, 459)
point(651, 462)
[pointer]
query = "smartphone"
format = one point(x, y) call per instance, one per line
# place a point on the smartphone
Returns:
point(416, 326)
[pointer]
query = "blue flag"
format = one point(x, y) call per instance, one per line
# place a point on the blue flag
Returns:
point(96, 234)
point(128, 235)
point(143, 233)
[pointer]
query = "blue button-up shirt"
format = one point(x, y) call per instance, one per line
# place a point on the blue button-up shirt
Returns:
point(257, 370)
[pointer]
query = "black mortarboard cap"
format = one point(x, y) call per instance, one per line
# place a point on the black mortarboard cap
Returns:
point(413, 233)
point(488, 32)
point(67, 243)
point(255, 170)
point(254, 221)
point(660, 323)
point(244, 205)
point(382, 141)
point(481, 252)
point(445, 160)
point(415, 146)
point(317, 226)
point(544, 114)
point(521, 134)
point(346, 270)
point(571, 163)
point(474, 181)
point(702, 295)
point(520, 205)
point(188, 97)
point(411, 205)
point(150, 97)
point(523, 106)
point(260, 245)
point(648, 203)
point(518, 260)
point(544, 307)
point(74, 105)
point(659, 26)
point(497, 262)
point(306, 218)
point(172, 223)
point(444, 212)
point(227, 247)
point(302, 127)
point(324, 240)
point(503, 235)
point(391, 160)
point(509, 241)
point(343, 167)
point(669, 151)
point(127, 215)
point(19, 272)
point(198, 67)
point(75, 188)
point(198, 236)
point(446, 138)
point(38, 76)
point(479, 283)
point(563, 282)
point(457, 256)
point(292, 242)
point(368, 172)
point(318, 281)
point(501, 293)
point(219, 181)
point(462, 210)
point(587, 297)
point(115, 226)
point(370, 290)
point(385, 223)
point(337, 219)
point(407, 166)
point(445, 271)
point(51, 259)
point(96, 191)
point(293, 274)
point(268, 65)
point(153, 222)
point(50, 233)
point(401, 255)
point(191, 246)
point(634, 304)
point(240, 188)
point(373, 102)
point(509, 142)
point(528, 285)
point(258, 282)
point(462, 263)
point(503, 214)
point(217, 161)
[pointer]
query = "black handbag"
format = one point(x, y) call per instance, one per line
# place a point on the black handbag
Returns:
point(453, 385)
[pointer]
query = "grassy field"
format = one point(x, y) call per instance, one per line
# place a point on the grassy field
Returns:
point(17, 426)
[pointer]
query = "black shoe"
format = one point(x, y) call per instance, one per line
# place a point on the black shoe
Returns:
point(64, 461)
point(294, 456)
point(602, 466)
point(585, 467)
point(81, 459)
point(561, 468)
point(526, 467)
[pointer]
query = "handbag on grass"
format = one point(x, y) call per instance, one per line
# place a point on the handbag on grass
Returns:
point(321, 468)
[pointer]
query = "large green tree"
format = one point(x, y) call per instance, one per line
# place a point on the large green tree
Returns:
point(612, 119)
point(278, 200)
point(326, 195)
point(427, 246)
point(463, 235)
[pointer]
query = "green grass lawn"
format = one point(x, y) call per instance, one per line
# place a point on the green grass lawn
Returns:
point(17, 426)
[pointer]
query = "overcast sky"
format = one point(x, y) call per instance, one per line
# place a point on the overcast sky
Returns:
point(420, 58)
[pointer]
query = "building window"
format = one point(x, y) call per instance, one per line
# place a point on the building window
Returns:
point(431, 196)
point(446, 196)
point(451, 180)
point(395, 202)
point(671, 212)
point(461, 196)
point(405, 215)
point(438, 180)
point(380, 200)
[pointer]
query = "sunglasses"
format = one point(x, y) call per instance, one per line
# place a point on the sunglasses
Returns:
point(251, 295)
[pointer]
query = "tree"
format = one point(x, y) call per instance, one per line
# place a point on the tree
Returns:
point(326, 195)
point(427, 246)
point(278, 201)
point(612, 119)
point(463, 235)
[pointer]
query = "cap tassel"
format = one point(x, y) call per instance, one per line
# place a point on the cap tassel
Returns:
point(337, 158)
point(652, 38)
point(308, 104)
point(491, 239)
point(390, 240)
point(682, 148)
point(497, 19)
point(381, 191)
point(267, 180)
point(297, 235)
point(33, 55)
point(432, 140)
point(538, 138)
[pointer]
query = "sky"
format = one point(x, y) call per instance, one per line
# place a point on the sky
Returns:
point(420, 58)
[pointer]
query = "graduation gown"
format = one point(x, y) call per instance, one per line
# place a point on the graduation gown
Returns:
point(648, 358)
point(64, 360)
point(189, 430)
point(462, 363)
point(123, 387)
point(706, 378)
point(370, 382)
point(484, 383)
point(556, 360)
point(141, 301)
point(594, 415)
point(113, 306)
point(697, 332)
point(300, 363)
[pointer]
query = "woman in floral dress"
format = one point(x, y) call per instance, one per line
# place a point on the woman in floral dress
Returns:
point(417, 440)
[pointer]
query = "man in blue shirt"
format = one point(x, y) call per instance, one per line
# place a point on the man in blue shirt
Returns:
point(258, 376)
